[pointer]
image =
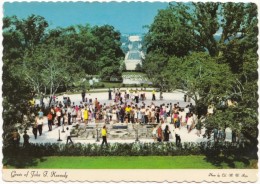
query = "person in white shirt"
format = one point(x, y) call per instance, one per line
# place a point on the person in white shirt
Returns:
point(190, 122)
point(82, 113)
point(163, 124)
point(68, 136)
point(154, 132)
point(187, 110)
point(182, 116)
point(40, 120)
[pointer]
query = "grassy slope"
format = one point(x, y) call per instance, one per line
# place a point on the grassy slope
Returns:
point(148, 162)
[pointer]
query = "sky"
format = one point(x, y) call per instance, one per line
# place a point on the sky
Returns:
point(125, 17)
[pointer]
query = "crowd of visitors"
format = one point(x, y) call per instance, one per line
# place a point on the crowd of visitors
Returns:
point(129, 106)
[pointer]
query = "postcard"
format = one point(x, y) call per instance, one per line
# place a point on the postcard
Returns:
point(130, 91)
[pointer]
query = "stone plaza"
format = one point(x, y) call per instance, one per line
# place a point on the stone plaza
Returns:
point(119, 132)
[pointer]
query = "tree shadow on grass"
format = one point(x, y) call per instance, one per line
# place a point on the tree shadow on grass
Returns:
point(221, 161)
point(23, 162)
point(21, 157)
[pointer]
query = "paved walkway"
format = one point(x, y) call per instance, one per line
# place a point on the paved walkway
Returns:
point(173, 97)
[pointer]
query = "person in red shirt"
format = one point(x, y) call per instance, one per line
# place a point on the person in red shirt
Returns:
point(160, 134)
point(49, 116)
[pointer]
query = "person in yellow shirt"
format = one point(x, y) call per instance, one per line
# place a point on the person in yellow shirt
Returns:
point(128, 109)
point(32, 102)
point(104, 136)
point(85, 116)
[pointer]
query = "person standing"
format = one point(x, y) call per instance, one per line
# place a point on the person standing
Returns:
point(109, 94)
point(26, 139)
point(104, 136)
point(128, 109)
point(85, 115)
point(159, 134)
point(89, 98)
point(58, 115)
point(189, 122)
point(154, 133)
point(53, 114)
point(146, 116)
point(83, 94)
point(16, 138)
point(40, 113)
point(182, 116)
point(69, 112)
point(39, 120)
point(49, 116)
point(68, 135)
point(136, 96)
point(166, 133)
point(122, 114)
point(153, 95)
point(73, 114)
point(177, 136)
point(127, 94)
point(34, 129)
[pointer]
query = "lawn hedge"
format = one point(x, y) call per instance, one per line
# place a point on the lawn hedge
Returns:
point(131, 149)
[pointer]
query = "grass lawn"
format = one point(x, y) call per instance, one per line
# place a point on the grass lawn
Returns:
point(135, 162)
point(134, 73)
point(111, 84)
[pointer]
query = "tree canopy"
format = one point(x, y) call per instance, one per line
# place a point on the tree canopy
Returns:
point(41, 60)
point(210, 51)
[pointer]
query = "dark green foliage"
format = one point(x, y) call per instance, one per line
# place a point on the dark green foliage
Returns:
point(139, 67)
point(171, 32)
point(219, 61)
point(50, 61)
point(131, 149)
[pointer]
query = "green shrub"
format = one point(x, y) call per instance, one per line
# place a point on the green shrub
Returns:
point(133, 149)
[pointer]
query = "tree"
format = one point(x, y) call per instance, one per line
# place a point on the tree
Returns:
point(224, 29)
point(221, 29)
point(49, 68)
point(155, 65)
point(171, 32)
point(92, 48)
point(32, 30)
point(206, 24)
point(108, 51)
point(202, 77)
point(139, 67)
